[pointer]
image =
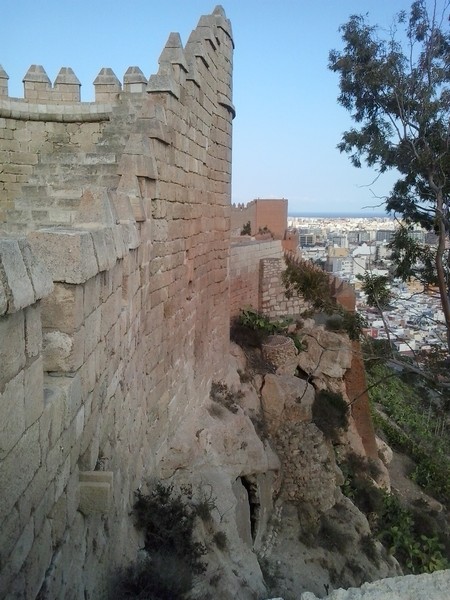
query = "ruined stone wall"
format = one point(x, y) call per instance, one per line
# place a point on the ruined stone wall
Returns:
point(124, 205)
point(273, 301)
point(245, 265)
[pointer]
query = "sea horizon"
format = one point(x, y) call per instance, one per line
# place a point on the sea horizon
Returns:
point(340, 215)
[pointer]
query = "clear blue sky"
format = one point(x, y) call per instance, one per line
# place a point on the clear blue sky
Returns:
point(288, 122)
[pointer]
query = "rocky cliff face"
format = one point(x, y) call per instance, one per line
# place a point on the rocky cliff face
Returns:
point(272, 476)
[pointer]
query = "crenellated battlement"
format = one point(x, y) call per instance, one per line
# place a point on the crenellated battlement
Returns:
point(177, 64)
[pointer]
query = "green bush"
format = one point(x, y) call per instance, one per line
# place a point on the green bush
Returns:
point(418, 541)
point(246, 229)
point(173, 556)
point(334, 323)
point(220, 539)
point(257, 321)
point(353, 323)
point(333, 536)
point(204, 507)
point(168, 524)
point(432, 473)
point(365, 495)
point(414, 540)
point(311, 282)
point(163, 576)
point(409, 429)
point(330, 414)
point(417, 553)
point(251, 328)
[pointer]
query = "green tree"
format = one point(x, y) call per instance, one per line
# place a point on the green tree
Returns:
point(246, 229)
point(397, 87)
point(314, 285)
point(376, 290)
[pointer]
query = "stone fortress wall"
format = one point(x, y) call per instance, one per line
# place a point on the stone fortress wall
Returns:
point(114, 309)
point(115, 283)
point(261, 213)
point(246, 259)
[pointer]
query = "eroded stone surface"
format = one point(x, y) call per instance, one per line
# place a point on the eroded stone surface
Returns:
point(410, 587)
point(328, 354)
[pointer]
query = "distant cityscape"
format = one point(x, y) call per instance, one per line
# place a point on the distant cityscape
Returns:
point(349, 245)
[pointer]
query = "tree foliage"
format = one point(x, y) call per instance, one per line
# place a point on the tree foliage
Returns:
point(396, 86)
point(411, 259)
point(376, 290)
point(311, 282)
point(314, 286)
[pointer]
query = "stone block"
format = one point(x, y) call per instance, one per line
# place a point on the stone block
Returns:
point(63, 352)
point(62, 478)
point(27, 454)
point(65, 393)
point(95, 492)
point(39, 274)
point(12, 414)
point(38, 561)
point(33, 330)
point(68, 254)
point(55, 460)
point(34, 391)
point(92, 291)
point(42, 507)
point(55, 582)
point(9, 534)
point(52, 420)
point(100, 358)
point(88, 375)
point(3, 299)
point(141, 165)
point(119, 244)
point(79, 423)
point(110, 311)
point(106, 285)
point(73, 497)
point(105, 248)
point(63, 308)
point(58, 520)
point(12, 348)
point(22, 547)
point(92, 331)
point(21, 293)
point(36, 490)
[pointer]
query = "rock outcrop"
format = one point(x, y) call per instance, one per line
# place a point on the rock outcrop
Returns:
point(410, 587)
point(275, 482)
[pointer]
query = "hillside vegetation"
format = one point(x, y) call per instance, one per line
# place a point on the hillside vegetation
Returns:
point(412, 418)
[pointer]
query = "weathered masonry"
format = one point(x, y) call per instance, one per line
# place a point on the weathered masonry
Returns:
point(114, 308)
